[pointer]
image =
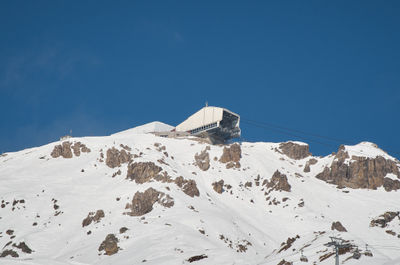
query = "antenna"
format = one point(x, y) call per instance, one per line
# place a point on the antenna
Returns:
point(206, 103)
point(70, 132)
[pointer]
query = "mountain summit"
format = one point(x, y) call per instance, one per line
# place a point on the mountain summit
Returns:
point(136, 198)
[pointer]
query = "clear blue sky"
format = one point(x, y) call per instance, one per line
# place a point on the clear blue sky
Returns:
point(330, 68)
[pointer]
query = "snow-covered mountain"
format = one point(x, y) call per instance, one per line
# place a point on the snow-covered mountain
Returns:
point(135, 198)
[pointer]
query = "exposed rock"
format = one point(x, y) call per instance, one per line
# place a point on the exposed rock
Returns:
point(294, 150)
point(142, 172)
point(115, 157)
point(78, 147)
point(284, 262)
point(196, 258)
point(116, 173)
point(218, 186)
point(93, 217)
point(338, 227)
point(390, 232)
point(310, 162)
point(23, 247)
point(390, 184)
point(278, 182)
point(123, 230)
point(233, 153)
point(188, 186)
point(9, 252)
point(326, 256)
point(384, 219)
point(286, 245)
point(63, 150)
point(361, 172)
point(143, 202)
point(127, 148)
point(203, 160)
point(109, 245)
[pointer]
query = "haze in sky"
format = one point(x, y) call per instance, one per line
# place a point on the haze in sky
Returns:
point(329, 69)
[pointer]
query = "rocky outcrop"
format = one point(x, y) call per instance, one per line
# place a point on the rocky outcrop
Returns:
point(294, 150)
point(23, 247)
point(142, 172)
point(93, 217)
point(338, 227)
point(203, 159)
point(9, 252)
point(78, 147)
point(278, 182)
point(189, 187)
point(143, 202)
point(231, 156)
point(196, 258)
point(109, 245)
point(361, 172)
point(65, 149)
point(115, 157)
point(286, 245)
point(383, 220)
point(218, 186)
point(310, 162)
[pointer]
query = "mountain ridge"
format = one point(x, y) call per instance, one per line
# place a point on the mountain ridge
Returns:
point(243, 211)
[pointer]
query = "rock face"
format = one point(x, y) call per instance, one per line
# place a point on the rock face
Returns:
point(9, 252)
point(384, 219)
point(310, 162)
point(65, 149)
point(203, 160)
point(115, 157)
point(361, 172)
point(188, 186)
point(78, 147)
point(142, 172)
point(231, 156)
point(218, 186)
point(295, 151)
point(278, 182)
point(109, 245)
point(143, 202)
point(338, 227)
point(93, 217)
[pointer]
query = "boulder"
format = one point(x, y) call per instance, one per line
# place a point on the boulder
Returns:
point(143, 202)
point(278, 182)
point(338, 227)
point(189, 187)
point(218, 186)
point(233, 153)
point(142, 172)
point(63, 150)
point(203, 160)
point(93, 217)
point(294, 150)
point(115, 157)
point(109, 245)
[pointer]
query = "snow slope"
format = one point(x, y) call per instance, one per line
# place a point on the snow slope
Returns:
point(58, 193)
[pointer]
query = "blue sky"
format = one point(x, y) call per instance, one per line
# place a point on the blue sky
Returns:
point(329, 68)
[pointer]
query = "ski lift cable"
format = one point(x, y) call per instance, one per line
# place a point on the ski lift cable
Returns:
point(337, 140)
point(287, 133)
point(292, 132)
